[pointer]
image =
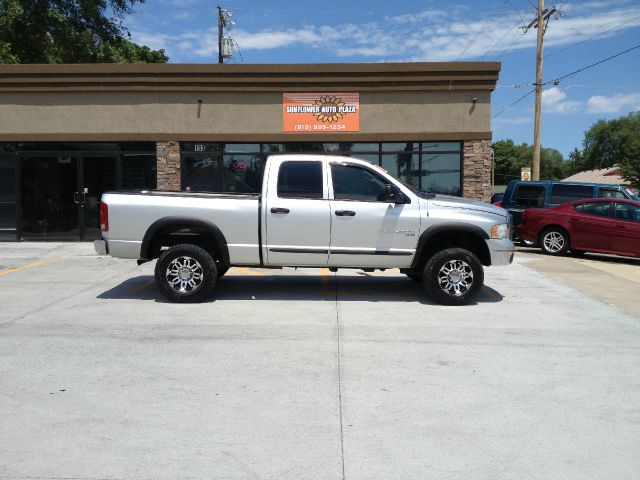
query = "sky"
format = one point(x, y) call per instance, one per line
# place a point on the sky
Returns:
point(355, 31)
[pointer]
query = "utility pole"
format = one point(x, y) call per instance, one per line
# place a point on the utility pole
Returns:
point(542, 19)
point(225, 44)
point(220, 33)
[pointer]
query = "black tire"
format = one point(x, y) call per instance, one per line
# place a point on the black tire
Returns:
point(465, 264)
point(554, 241)
point(189, 260)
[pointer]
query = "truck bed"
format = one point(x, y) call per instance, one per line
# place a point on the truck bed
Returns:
point(132, 213)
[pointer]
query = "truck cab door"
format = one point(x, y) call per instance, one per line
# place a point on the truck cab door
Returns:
point(296, 216)
point(368, 230)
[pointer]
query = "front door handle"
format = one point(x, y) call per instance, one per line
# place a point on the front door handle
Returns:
point(345, 213)
point(280, 210)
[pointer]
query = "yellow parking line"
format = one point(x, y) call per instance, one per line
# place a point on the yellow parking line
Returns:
point(31, 265)
point(246, 271)
point(142, 286)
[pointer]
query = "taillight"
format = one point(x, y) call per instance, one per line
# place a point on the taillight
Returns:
point(524, 216)
point(104, 217)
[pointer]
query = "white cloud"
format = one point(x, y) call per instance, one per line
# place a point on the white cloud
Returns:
point(428, 35)
point(623, 102)
point(554, 100)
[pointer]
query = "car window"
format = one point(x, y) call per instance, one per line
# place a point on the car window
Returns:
point(598, 209)
point(627, 212)
point(611, 193)
point(530, 196)
point(565, 193)
point(300, 180)
point(352, 182)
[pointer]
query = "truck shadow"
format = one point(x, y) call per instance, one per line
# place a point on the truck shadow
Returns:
point(361, 288)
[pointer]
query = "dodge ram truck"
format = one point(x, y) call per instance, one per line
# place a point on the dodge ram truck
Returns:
point(313, 211)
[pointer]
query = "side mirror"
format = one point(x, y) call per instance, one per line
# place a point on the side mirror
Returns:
point(393, 194)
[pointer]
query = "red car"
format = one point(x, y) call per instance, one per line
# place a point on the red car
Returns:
point(595, 225)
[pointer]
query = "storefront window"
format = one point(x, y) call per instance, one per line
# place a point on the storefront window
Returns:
point(139, 172)
point(431, 166)
point(405, 166)
point(8, 165)
point(242, 174)
point(441, 173)
point(201, 174)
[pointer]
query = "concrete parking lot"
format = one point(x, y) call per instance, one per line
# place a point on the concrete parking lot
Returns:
point(313, 375)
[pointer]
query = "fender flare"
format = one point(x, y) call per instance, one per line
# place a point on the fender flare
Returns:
point(185, 222)
point(431, 232)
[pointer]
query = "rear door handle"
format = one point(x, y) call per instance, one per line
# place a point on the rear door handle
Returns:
point(280, 210)
point(345, 213)
point(622, 227)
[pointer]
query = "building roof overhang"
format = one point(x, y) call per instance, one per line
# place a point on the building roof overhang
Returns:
point(418, 76)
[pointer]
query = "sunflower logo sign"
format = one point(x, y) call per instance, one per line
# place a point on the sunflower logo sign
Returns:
point(321, 112)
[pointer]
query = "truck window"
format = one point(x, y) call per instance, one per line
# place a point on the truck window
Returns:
point(300, 180)
point(563, 193)
point(530, 196)
point(611, 193)
point(352, 182)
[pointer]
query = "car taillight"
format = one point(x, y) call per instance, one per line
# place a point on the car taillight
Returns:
point(498, 204)
point(524, 216)
point(104, 217)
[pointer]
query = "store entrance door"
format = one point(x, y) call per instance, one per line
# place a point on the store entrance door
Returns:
point(60, 195)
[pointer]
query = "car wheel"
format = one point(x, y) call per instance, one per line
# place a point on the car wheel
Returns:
point(554, 241)
point(453, 276)
point(186, 273)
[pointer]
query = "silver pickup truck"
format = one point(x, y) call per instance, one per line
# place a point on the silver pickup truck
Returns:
point(314, 211)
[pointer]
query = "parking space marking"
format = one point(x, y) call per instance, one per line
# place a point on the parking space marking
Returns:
point(246, 271)
point(31, 265)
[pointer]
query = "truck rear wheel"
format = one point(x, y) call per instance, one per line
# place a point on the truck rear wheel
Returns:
point(186, 273)
point(453, 276)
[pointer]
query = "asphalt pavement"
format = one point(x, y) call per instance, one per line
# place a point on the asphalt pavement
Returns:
point(307, 374)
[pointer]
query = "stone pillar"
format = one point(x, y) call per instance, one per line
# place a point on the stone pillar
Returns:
point(168, 165)
point(476, 170)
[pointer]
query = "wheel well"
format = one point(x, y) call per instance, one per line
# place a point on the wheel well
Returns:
point(450, 239)
point(174, 234)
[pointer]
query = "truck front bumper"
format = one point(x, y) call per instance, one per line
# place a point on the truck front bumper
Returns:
point(101, 247)
point(501, 252)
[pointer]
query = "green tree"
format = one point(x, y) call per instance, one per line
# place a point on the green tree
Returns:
point(70, 31)
point(614, 142)
point(510, 158)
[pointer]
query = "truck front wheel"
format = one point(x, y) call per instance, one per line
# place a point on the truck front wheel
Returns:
point(186, 273)
point(453, 276)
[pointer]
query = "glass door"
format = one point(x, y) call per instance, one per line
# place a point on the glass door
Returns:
point(49, 197)
point(98, 175)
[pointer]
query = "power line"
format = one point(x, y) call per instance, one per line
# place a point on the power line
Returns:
point(557, 80)
point(591, 38)
point(486, 23)
point(501, 39)
point(514, 103)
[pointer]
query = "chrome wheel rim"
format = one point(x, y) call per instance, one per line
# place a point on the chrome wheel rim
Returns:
point(184, 274)
point(455, 277)
point(553, 242)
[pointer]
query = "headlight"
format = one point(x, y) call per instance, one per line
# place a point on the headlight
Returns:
point(500, 231)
